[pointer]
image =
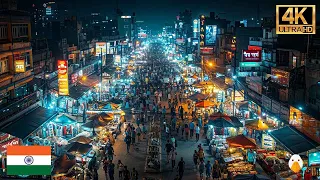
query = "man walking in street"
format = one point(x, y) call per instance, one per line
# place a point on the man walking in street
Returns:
point(197, 132)
point(181, 166)
point(169, 148)
point(128, 142)
point(191, 127)
point(111, 170)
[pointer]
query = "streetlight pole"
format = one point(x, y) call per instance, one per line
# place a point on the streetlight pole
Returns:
point(100, 96)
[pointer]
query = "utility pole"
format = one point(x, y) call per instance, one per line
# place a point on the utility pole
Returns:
point(100, 97)
point(234, 77)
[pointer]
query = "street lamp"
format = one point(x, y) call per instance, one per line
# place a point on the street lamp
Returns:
point(210, 64)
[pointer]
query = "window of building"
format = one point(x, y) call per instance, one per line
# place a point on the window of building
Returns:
point(19, 30)
point(3, 31)
point(126, 26)
point(294, 61)
point(4, 65)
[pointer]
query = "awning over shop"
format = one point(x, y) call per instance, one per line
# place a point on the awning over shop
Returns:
point(77, 91)
point(63, 120)
point(29, 122)
point(293, 140)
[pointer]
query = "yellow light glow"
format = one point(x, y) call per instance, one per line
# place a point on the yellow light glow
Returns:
point(210, 64)
point(84, 78)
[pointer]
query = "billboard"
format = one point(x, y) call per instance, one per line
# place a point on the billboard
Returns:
point(251, 56)
point(211, 35)
point(280, 76)
point(19, 66)
point(63, 83)
point(101, 46)
point(180, 40)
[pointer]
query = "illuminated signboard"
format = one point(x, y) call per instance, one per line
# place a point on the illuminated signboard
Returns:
point(233, 43)
point(117, 58)
point(48, 10)
point(251, 56)
point(202, 32)
point(250, 64)
point(211, 35)
point(63, 82)
point(125, 17)
point(101, 46)
point(280, 76)
point(20, 66)
point(196, 27)
point(314, 159)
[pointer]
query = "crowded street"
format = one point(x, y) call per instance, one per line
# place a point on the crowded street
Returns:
point(156, 90)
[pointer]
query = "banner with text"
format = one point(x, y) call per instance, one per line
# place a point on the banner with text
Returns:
point(63, 82)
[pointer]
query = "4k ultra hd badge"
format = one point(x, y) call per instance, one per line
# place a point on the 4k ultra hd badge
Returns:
point(296, 19)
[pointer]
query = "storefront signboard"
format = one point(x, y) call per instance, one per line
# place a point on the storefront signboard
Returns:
point(101, 47)
point(63, 82)
point(266, 102)
point(267, 142)
point(250, 64)
point(202, 30)
point(314, 159)
point(19, 65)
point(11, 142)
point(251, 56)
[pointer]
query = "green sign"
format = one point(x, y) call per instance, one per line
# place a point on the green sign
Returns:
point(250, 64)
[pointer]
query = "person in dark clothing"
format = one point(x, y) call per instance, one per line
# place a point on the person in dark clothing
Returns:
point(111, 170)
point(126, 173)
point(181, 166)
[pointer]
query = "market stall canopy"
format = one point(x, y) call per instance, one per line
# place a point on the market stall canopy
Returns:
point(293, 140)
point(205, 104)
point(115, 101)
point(251, 177)
point(63, 165)
point(257, 124)
point(198, 97)
point(203, 84)
point(63, 120)
point(111, 106)
point(76, 92)
point(221, 123)
point(94, 124)
point(29, 122)
point(81, 139)
point(78, 148)
point(242, 141)
point(106, 116)
point(219, 115)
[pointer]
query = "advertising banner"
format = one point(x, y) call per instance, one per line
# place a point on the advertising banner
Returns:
point(19, 65)
point(11, 142)
point(211, 35)
point(280, 76)
point(117, 58)
point(63, 83)
point(266, 102)
point(251, 55)
point(101, 46)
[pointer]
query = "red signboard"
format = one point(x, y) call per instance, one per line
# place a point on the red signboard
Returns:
point(11, 142)
point(251, 55)
point(63, 82)
point(206, 50)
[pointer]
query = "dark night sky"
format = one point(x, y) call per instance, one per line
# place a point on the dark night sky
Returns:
point(158, 12)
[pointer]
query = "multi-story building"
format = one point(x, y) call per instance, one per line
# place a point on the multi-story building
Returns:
point(16, 63)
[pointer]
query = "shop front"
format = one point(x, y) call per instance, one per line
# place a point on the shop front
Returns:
point(305, 123)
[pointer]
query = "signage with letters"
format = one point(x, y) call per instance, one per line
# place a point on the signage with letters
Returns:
point(251, 55)
point(267, 142)
point(250, 64)
point(202, 30)
point(20, 66)
point(296, 19)
point(63, 82)
point(266, 102)
point(11, 142)
point(101, 46)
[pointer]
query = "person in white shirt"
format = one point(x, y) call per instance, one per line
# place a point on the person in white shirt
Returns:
point(197, 129)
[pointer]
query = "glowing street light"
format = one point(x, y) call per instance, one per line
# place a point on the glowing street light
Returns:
point(210, 64)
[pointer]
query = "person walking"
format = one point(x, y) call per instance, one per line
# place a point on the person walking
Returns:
point(201, 154)
point(134, 174)
point(127, 140)
point(191, 127)
point(106, 166)
point(110, 153)
point(133, 136)
point(111, 170)
point(186, 129)
point(216, 171)
point(195, 158)
point(197, 130)
point(168, 148)
point(174, 142)
point(167, 132)
point(120, 167)
point(181, 167)
point(173, 158)
point(126, 173)
point(138, 132)
point(144, 130)
point(208, 169)
point(201, 169)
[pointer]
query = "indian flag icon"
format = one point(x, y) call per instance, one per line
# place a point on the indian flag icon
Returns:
point(28, 160)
